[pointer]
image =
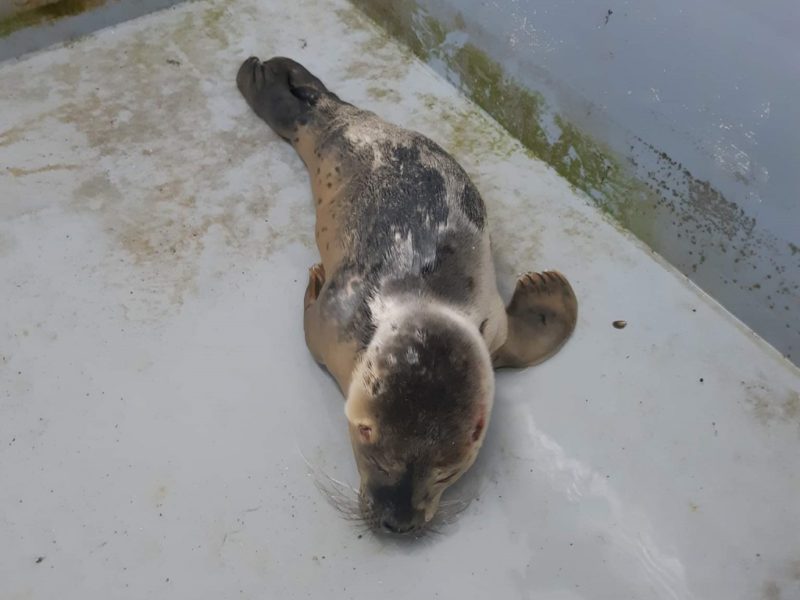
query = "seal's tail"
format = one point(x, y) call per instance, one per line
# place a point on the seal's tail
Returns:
point(280, 91)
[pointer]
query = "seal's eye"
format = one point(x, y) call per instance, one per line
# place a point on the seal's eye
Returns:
point(447, 478)
point(476, 433)
point(378, 466)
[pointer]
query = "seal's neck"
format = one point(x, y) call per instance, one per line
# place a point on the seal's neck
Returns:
point(394, 316)
point(403, 313)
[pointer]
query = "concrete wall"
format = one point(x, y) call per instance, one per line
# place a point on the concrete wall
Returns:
point(680, 119)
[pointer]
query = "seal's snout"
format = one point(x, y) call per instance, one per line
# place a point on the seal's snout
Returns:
point(246, 77)
point(395, 511)
point(280, 91)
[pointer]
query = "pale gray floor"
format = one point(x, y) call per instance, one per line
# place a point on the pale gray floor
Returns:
point(157, 400)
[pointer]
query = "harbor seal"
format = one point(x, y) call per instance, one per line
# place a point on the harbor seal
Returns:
point(404, 309)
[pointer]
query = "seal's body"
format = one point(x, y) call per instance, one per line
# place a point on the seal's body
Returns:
point(404, 309)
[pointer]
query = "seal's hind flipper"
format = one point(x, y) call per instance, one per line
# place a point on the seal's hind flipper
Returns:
point(280, 91)
point(541, 316)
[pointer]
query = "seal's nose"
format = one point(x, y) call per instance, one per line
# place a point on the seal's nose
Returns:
point(401, 521)
point(390, 525)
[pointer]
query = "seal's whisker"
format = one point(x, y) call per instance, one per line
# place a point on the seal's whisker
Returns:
point(448, 512)
point(341, 496)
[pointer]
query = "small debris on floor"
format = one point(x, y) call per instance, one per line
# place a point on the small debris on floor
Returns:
point(620, 324)
point(39, 559)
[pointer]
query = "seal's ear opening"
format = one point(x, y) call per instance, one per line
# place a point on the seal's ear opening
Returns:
point(478, 430)
point(365, 433)
point(359, 416)
point(479, 426)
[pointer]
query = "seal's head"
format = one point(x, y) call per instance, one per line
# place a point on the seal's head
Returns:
point(417, 408)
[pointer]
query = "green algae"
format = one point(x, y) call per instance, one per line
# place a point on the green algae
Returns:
point(584, 162)
point(472, 133)
point(211, 18)
point(381, 93)
point(397, 18)
point(46, 13)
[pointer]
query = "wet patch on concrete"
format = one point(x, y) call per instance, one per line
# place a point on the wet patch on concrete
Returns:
point(771, 591)
point(770, 407)
point(20, 172)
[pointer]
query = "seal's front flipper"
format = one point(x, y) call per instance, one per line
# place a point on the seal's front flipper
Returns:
point(541, 316)
point(280, 91)
point(312, 320)
point(323, 336)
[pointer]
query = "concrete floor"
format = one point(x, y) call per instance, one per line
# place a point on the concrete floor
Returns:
point(157, 402)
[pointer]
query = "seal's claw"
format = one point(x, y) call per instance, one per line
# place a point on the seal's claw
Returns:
point(316, 279)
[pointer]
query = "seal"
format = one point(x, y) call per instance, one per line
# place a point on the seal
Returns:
point(404, 309)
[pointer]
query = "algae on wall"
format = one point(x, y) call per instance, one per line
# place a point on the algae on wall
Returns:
point(34, 13)
point(583, 161)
